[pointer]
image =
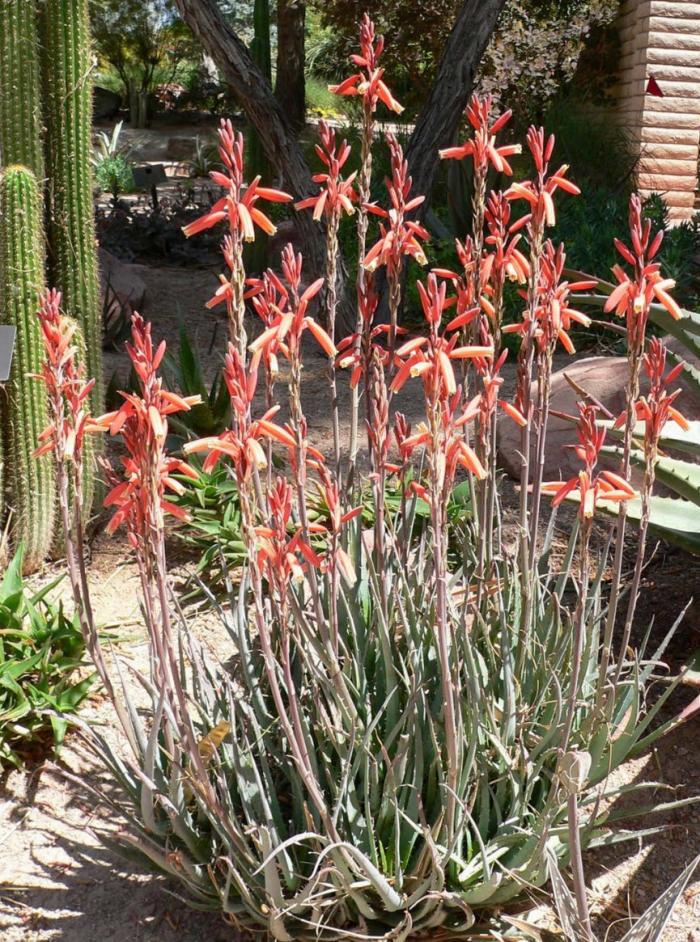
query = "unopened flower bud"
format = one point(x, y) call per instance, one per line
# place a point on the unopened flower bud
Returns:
point(574, 770)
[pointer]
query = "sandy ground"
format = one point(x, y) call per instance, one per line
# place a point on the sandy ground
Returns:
point(59, 881)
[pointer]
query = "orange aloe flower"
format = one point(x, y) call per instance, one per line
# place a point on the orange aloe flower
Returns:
point(337, 195)
point(287, 328)
point(67, 390)
point(399, 236)
point(554, 314)
point(657, 408)
point(431, 357)
point(368, 84)
point(540, 192)
point(242, 442)
point(633, 296)
point(482, 146)
point(140, 498)
point(239, 203)
point(588, 486)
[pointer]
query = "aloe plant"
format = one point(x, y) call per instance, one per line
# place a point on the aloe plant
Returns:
point(186, 374)
point(41, 651)
point(649, 927)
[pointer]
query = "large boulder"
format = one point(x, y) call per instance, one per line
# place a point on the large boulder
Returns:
point(605, 378)
point(125, 284)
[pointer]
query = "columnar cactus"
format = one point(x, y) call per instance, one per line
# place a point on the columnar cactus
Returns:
point(73, 263)
point(30, 480)
point(20, 96)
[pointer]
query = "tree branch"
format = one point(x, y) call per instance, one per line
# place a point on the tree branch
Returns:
point(265, 114)
point(439, 118)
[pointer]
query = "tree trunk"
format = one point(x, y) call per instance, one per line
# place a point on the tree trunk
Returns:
point(439, 118)
point(435, 127)
point(266, 115)
point(290, 84)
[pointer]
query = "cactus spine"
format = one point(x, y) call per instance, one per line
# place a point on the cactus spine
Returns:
point(20, 95)
point(31, 481)
point(68, 107)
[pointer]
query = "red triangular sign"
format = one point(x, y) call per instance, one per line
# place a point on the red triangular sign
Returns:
point(653, 88)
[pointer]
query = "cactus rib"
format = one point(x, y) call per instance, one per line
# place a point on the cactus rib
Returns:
point(20, 100)
point(68, 102)
point(31, 481)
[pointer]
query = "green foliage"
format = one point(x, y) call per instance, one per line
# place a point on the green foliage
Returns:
point(374, 733)
point(145, 44)
point(110, 159)
point(41, 651)
point(185, 375)
point(322, 103)
point(206, 158)
point(20, 101)
point(31, 486)
point(675, 519)
point(114, 175)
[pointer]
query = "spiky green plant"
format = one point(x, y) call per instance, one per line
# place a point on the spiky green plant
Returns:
point(31, 482)
point(20, 102)
point(391, 862)
point(674, 518)
point(649, 927)
point(41, 651)
point(67, 62)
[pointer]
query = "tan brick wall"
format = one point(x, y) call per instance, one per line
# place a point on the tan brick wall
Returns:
point(662, 37)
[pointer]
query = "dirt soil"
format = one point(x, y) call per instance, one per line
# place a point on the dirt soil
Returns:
point(59, 880)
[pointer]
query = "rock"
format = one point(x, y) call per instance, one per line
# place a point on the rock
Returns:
point(605, 378)
point(181, 148)
point(106, 104)
point(123, 279)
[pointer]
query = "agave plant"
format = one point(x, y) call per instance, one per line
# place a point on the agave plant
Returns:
point(675, 518)
point(185, 374)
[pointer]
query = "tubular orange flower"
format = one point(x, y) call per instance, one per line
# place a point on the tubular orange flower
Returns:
point(539, 193)
point(398, 237)
point(336, 195)
point(368, 84)
point(238, 205)
point(241, 442)
point(287, 328)
point(482, 146)
point(589, 487)
point(140, 498)
point(66, 388)
point(633, 297)
point(554, 314)
point(430, 357)
point(657, 408)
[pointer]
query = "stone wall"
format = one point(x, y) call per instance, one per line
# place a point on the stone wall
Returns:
point(662, 37)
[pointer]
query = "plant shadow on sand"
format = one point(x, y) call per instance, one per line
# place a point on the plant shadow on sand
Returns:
point(79, 889)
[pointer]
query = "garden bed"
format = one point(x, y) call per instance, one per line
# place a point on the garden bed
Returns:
point(58, 881)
